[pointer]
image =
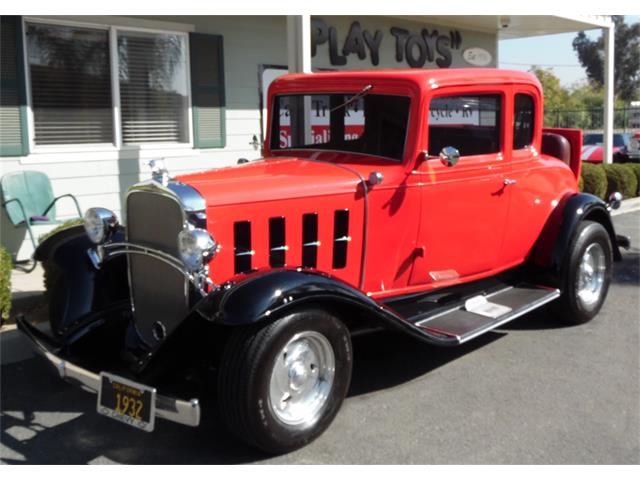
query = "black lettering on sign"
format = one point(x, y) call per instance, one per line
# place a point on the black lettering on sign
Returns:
point(373, 42)
point(334, 57)
point(319, 35)
point(401, 39)
point(417, 49)
point(355, 42)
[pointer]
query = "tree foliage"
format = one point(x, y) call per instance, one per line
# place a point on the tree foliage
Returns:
point(626, 58)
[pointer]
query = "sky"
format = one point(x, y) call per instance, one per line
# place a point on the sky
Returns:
point(549, 51)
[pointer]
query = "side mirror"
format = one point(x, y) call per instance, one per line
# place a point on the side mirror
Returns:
point(375, 178)
point(449, 156)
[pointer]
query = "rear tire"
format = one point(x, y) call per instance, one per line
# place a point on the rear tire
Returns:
point(281, 384)
point(587, 274)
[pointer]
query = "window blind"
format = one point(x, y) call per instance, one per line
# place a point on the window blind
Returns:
point(207, 90)
point(12, 102)
point(153, 87)
point(70, 84)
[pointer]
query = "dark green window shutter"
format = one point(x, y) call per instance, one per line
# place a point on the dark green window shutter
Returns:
point(207, 90)
point(13, 104)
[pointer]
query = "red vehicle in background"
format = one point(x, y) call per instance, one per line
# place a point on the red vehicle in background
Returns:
point(592, 149)
point(428, 202)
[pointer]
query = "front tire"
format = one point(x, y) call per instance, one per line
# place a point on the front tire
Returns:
point(281, 384)
point(587, 274)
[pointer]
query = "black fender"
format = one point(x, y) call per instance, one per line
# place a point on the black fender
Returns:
point(262, 296)
point(553, 245)
point(76, 288)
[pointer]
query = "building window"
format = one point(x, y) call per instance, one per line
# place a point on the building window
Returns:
point(153, 87)
point(93, 85)
point(70, 85)
point(522, 121)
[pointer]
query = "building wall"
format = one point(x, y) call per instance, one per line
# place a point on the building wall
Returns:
point(102, 177)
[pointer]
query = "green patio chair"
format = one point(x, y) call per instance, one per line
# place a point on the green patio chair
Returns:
point(28, 199)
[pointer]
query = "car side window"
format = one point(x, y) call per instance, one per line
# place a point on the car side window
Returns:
point(523, 113)
point(470, 123)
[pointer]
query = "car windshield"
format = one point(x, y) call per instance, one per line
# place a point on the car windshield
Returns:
point(364, 123)
point(619, 140)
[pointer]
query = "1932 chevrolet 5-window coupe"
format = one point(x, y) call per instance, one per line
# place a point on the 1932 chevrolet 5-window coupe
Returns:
point(429, 202)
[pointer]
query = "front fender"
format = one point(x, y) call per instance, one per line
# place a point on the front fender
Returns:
point(74, 286)
point(263, 296)
point(553, 245)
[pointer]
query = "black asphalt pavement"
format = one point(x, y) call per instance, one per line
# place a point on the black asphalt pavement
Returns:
point(535, 391)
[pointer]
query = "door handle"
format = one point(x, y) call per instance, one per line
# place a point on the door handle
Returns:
point(509, 181)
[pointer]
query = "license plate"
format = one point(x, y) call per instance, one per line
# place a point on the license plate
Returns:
point(127, 401)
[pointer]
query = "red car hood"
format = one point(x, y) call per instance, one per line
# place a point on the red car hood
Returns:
point(271, 179)
point(593, 153)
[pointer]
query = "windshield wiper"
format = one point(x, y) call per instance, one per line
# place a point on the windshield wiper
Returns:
point(357, 96)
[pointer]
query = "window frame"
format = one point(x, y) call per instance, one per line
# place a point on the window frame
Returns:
point(533, 121)
point(116, 145)
point(471, 91)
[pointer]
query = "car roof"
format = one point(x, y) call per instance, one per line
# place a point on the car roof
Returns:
point(421, 77)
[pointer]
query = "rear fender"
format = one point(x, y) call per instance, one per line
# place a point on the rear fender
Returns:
point(76, 288)
point(553, 245)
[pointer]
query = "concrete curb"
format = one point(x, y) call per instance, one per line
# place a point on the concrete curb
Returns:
point(627, 206)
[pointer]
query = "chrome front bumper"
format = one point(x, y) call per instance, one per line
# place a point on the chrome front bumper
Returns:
point(185, 412)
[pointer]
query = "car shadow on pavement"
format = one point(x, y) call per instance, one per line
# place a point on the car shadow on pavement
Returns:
point(45, 420)
point(627, 271)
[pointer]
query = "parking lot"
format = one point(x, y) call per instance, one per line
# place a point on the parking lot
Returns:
point(535, 391)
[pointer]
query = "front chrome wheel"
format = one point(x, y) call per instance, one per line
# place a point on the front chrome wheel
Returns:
point(302, 379)
point(591, 275)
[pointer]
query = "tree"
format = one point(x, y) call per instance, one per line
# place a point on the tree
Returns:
point(626, 58)
point(556, 97)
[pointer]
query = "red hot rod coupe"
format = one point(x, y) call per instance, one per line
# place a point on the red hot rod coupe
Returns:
point(429, 202)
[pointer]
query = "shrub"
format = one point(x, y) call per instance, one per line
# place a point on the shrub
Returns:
point(50, 272)
point(5, 284)
point(62, 226)
point(581, 183)
point(621, 179)
point(594, 180)
point(636, 169)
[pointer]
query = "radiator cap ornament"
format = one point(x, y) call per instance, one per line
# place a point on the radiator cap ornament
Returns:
point(159, 172)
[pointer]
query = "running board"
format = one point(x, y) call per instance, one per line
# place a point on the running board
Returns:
point(483, 313)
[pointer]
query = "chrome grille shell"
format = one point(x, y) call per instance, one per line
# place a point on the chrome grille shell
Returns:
point(159, 292)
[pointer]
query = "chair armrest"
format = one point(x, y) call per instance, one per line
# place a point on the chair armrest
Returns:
point(24, 214)
point(62, 196)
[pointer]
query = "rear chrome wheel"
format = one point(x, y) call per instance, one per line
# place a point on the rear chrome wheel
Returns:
point(591, 275)
point(281, 384)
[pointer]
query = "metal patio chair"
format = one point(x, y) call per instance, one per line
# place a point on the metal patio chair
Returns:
point(28, 199)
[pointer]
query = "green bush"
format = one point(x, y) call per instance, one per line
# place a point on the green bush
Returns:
point(50, 272)
point(636, 169)
point(62, 226)
point(594, 180)
point(621, 178)
point(581, 183)
point(5, 284)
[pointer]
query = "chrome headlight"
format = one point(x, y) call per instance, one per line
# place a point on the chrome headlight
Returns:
point(196, 248)
point(100, 223)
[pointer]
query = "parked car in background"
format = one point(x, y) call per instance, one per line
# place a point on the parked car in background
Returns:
point(630, 152)
point(592, 146)
point(428, 202)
